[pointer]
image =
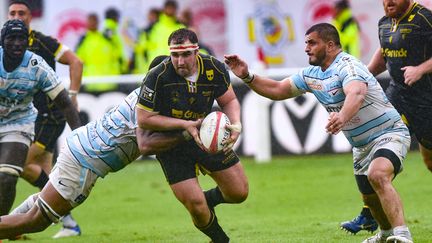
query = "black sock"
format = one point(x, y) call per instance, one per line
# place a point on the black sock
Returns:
point(214, 197)
point(366, 212)
point(214, 230)
point(42, 180)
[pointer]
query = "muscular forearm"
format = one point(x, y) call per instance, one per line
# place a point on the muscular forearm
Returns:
point(156, 142)
point(63, 101)
point(155, 122)
point(232, 110)
point(75, 74)
point(426, 67)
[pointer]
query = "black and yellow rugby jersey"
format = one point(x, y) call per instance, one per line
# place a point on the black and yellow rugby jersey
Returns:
point(169, 94)
point(407, 41)
point(48, 48)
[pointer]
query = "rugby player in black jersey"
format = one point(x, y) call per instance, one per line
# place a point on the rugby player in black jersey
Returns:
point(174, 96)
point(405, 34)
point(50, 122)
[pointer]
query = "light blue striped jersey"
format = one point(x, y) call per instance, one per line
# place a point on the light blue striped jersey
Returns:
point(109, 143)
point(376, 115)
point(18, 87)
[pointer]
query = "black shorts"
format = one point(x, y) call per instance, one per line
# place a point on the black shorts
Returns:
point(47, 131)
point(186, 160)
point(418, 118)
point(419, 122)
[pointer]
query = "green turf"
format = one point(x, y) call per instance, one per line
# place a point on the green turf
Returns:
point(292, 199)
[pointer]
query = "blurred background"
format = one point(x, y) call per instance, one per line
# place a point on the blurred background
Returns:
point(268, 34)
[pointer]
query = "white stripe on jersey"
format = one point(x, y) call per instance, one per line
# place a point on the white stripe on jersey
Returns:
point(376, 117)
point(109, 143)
point(18, 87)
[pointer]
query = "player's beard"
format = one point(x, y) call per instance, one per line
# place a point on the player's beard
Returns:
point(398, 10)
point(318, 58)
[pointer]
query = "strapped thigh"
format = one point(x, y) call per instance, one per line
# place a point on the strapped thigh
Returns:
point(47, 211)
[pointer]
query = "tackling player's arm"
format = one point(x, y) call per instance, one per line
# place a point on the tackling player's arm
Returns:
point(61, 99)
point(355, 92)
point(272, 89)
point(377, 64)
point(156, 142)
point(67, 57)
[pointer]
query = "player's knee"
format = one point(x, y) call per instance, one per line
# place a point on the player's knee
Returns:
point(239, 196)
point(378, 179)
point(196, 205)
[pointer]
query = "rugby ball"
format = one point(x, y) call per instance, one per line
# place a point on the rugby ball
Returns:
point(213, 132)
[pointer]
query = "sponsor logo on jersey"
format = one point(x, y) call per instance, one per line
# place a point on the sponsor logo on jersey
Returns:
point(147, 94)
point(394, 53)
point(314, 84)
point(210, 74)
point(187, 114)
point(34, 62)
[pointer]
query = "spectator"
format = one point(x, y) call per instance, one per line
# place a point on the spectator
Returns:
point(186, 18)
point(102, 53)
point(92, 48)
point(140, 60)
point(348, 28)
point(159, 33)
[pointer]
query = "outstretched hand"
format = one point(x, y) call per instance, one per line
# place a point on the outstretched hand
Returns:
point(237, 65)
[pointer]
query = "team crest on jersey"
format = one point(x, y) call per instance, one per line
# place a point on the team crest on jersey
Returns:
point(410, 18)
point(34, 62)
point(210, 74)
point(175, 97)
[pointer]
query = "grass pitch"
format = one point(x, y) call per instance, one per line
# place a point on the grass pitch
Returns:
point(291, 199)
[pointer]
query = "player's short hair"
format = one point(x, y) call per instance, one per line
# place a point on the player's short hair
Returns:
point(180, 36)
point(326, 32)
point(23, 2)
point(13, 26)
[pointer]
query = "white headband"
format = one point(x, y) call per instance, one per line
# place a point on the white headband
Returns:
point(183, 47)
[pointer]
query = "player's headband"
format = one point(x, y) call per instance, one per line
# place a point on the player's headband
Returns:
point(183, 47)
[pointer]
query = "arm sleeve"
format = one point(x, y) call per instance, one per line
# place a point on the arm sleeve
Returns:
point(224, 82)
point(352, 69)
point(147, 98)
point(299, 81)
